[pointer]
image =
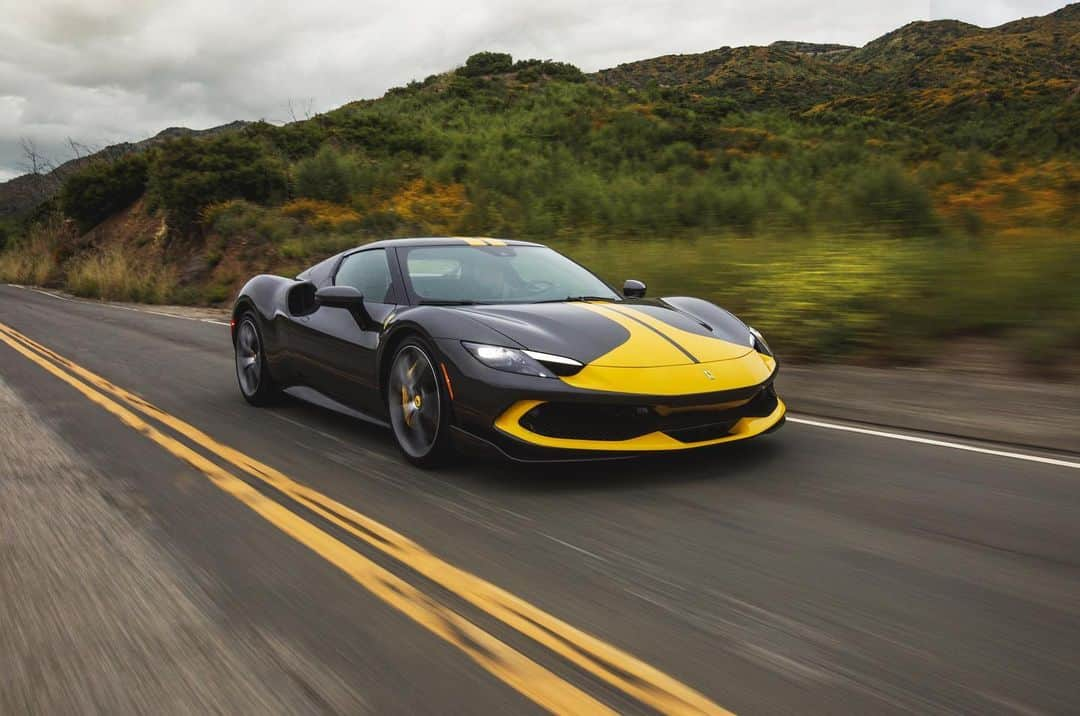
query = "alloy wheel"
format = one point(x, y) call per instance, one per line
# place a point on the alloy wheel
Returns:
point(248, 358)
point(413, 399)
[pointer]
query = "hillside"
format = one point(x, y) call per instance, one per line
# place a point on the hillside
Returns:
point(921, 73)
point(22, 193)
point(854, 201)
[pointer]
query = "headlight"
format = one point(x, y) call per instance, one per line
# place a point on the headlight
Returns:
point(757, 342)
point(513, 360)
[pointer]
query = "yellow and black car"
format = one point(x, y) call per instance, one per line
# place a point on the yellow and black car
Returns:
point(504, 346)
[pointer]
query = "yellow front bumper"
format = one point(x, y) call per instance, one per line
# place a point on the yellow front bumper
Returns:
point(509, 424)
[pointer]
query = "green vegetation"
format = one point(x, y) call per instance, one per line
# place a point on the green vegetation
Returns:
point(486, 63)
point(187, 175)
point(102, 188)
point(855, 204)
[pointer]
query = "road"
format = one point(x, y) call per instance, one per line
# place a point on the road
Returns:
point(814, 571)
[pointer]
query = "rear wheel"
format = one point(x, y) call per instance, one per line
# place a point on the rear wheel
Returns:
point(419, 406)
point(256, 385)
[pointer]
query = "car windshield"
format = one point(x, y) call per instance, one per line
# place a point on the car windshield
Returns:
point(498, 274)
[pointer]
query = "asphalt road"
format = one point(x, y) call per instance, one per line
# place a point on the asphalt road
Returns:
point(813, 571)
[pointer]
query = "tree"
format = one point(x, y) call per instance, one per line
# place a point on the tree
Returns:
point(101, 188)
point(487, 63)
point(328, 176)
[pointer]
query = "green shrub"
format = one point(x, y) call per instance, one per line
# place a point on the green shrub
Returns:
point(562, 71)
point(101, 188)
point(187, 175)
point(486, 63)
point(327, 176)
point(218, 293)
point(231, 217)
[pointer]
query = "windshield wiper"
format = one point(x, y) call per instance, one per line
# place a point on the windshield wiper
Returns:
point(448, 302)
point(578, 299)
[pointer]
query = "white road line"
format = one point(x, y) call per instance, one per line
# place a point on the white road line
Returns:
point(162, 313)
point(123, 308)
point(46, 293)
point(574, 547)
point(936, 443)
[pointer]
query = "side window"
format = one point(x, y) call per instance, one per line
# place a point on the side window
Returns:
point(369, 273)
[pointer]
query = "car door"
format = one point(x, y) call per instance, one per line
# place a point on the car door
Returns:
point(340, 353)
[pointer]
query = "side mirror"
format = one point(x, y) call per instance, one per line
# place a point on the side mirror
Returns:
point(632, 288)
point(339, 297)
point(348, 298)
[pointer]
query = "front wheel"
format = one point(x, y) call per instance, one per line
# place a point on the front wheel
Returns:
point(256, 385)
point(419, 406)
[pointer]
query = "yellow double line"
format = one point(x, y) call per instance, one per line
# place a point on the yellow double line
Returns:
point(604, 661)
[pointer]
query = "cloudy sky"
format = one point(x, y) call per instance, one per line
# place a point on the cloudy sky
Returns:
point(105, 71)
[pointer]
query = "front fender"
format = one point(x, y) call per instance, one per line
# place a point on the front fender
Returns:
point(265, 293)
point(432, 323)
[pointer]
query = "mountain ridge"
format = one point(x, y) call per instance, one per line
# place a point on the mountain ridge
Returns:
point(21, 193)
point(923, 73)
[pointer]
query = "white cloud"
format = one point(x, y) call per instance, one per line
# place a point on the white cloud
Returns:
point(104, 71)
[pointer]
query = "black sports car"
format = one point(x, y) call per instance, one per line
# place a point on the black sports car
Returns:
point(507, 346)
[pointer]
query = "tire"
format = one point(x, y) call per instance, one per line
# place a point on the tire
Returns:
point(419, 406)
point(252, 373)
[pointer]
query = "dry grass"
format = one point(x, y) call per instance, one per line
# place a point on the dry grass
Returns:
point(32, 261)
point(114, 276)
point(30, 264)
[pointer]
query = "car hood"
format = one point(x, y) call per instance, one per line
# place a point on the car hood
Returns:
point(625, 334)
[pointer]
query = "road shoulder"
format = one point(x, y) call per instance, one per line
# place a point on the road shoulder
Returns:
point(139, 637)
point(968, 405)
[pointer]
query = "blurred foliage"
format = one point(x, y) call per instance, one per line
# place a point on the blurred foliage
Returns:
point(868, 297)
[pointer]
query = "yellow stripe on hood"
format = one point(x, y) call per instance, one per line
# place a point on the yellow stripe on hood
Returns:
point(653, 360)
point(643, 348)
point(691, 379)
point(705, 348)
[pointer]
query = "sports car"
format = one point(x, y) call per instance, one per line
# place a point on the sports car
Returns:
point(465, 344)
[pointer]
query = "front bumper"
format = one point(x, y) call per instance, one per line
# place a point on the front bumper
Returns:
point(530, 418)
point(511, 424)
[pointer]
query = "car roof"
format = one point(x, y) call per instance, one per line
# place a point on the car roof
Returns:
point(326, 265)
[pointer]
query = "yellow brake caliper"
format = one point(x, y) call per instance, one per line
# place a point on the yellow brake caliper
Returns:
point(405, 412)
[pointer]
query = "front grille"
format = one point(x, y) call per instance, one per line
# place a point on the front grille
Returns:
point(688, 424)
point(585, 421)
